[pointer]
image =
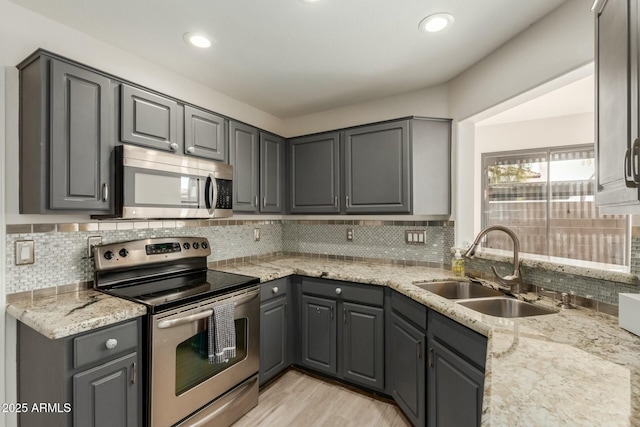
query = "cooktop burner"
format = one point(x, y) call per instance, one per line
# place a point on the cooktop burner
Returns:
point(162, 279)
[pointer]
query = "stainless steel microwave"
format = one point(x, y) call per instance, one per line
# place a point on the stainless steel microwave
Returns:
point(153, 184)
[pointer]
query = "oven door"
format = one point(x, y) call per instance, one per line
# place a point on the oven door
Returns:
point(182, 380)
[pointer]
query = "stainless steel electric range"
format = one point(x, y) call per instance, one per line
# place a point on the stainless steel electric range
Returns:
point(170, 276)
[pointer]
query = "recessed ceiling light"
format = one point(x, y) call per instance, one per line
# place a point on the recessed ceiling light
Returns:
point(436, 22)
point(197, 39)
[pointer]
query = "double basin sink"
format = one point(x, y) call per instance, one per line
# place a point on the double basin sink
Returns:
point(483, 299)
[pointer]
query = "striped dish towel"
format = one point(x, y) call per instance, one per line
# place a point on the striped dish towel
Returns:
point(222, 334)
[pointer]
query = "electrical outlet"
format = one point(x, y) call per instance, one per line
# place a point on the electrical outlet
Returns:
point(256, 234)
point(415, 237)
point(349, 234)
point(91, 242)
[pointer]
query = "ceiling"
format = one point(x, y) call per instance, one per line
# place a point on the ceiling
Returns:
point(290, 57)
point(574, 98)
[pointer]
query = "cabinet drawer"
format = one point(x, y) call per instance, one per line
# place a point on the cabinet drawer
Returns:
point(467, 343)
point(410, 309)
point(273, 289)
point(93, 347)
point(366, 294)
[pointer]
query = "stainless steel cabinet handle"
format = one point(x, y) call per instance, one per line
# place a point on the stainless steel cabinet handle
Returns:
point(285, 309)
point(134, 373)
point(191, 149)
point(105, 192)
point(335, 202)
point(347, 204)
point(431, 357)
point(255, 200)
point(111, 343)
point(173, 146)
point(264, 202)
point(332, 313)
point(344, 314)
point(419, 349)
point(274, 289)
point(338, 291)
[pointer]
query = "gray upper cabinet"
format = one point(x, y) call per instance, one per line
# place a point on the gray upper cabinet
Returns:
point(243, 156)
point(204, 134)
point(66, 138)
point(149, 120)
point(377, 168)
point(272, 173)
point(314, 174)
point(617, 146)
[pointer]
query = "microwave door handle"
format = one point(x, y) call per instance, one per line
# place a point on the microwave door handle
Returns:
point(210, 194)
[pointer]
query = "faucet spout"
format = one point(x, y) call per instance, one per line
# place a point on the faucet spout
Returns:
point(513, 281)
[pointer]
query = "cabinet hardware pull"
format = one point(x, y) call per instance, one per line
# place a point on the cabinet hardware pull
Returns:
point(418, 349)
point(347, 204)
point(191, 149)
point(134, 372)
point(264, 202)
point(344, 314)
point(431, 357)
point(338, 291)
point(633, 160)
point(173, 146)
point(111, 343)
point(331, 313)
point(255, 201)
point(105, 192)
point(285, 309)
point(274, 289)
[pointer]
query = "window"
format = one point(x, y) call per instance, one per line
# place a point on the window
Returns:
point(547, 197)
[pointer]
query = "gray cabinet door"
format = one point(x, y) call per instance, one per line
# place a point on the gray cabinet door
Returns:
point(314, 174)
point(363, 345)
point(273, 338)
point(243, 156)
point(617, 107)
point(271, 173)
point(319, 334)
point(455, 389)
point(81, 139)
point(149, 120)
point(377, 168)
point(205, 134)
point(107, 395)
point(408, 369)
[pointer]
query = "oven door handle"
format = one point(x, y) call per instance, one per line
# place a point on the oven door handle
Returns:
point(164, 324)
point(182, 320)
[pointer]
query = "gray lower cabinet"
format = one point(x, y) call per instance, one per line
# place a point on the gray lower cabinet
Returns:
point(319, 334)
point(272, 173)
point(408, 368)
point(66, 138)
point(314, 174)
point(150, 120)
point(205, 134)
point(92, 379)
point(276, 346)
point(342, 331)
point(456, 373)
point(243, 156)
point(617, 104)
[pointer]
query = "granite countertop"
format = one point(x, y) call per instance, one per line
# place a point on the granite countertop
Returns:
point(71, 313)
point(575, 367)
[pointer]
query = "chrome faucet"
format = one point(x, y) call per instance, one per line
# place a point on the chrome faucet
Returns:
point(514, 281)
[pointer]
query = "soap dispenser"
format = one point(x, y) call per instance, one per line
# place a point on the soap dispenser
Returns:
point(457, 264)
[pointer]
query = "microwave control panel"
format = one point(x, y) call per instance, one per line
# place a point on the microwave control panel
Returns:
point(225, 192)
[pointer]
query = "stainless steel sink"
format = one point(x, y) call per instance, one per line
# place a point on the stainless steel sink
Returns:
point(459, 290)
point(506, 307)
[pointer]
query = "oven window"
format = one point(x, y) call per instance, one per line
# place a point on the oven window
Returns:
point(169, 190)
point(192, 361)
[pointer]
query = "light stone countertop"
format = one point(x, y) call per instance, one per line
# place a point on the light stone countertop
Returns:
point(576, 367)
point(71, 313)
point(573, 368)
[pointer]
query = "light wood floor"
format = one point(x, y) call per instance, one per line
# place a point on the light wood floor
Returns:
point(296, 399)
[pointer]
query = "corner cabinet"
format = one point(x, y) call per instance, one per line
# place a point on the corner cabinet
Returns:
point(314, 174)
point(66, 138)
point(98, 375)
point(617, 106)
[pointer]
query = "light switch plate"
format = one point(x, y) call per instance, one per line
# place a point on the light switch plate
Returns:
point(25, 252)
point(415, 237)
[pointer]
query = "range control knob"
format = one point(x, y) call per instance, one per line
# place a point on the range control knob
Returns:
point(108, 255)
point(204, 245)
point(195, 245)
point(123, 252)
point(186, 245)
